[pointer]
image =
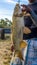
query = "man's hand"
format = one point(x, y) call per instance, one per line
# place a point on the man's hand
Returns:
point(26, 8)
point(26, 30)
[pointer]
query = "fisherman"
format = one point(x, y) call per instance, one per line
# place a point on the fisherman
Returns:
point(31, 21)
point(31, 24)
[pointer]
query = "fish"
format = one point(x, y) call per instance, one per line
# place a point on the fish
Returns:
point(17, 27)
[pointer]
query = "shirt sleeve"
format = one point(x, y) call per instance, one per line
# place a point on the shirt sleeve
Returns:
point(34, 17)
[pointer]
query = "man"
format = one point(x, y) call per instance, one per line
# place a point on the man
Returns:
point(31, 58)
point(31, 21)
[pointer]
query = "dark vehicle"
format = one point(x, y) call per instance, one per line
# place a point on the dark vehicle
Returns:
point(2, 34)
point(4, 31)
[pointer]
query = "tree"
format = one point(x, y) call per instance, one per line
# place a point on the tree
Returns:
point(9, 23)
point(5, 23)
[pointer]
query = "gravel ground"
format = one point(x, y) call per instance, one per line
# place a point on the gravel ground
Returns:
point(5, 52)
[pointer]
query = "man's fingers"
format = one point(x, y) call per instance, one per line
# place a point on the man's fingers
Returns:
point(26, 30)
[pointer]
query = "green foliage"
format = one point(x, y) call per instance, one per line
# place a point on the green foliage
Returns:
point(5, 23)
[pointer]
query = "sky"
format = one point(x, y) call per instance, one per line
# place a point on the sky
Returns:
point(7, 8)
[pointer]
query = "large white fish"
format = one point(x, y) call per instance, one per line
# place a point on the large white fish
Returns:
point(18, 24)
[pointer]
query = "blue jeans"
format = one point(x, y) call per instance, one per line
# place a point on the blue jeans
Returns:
point(16, 64)
point(31, 57)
